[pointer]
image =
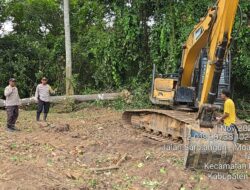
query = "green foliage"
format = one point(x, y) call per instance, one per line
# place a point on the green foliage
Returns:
point(138, 100)
point(241, 66)
point(31, 51)
point(114, 43)
point(243, 106)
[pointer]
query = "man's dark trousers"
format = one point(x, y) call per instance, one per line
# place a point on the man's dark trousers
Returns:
point(42, 107)
point(12, 115)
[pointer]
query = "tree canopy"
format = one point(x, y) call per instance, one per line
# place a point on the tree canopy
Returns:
point(114, 43)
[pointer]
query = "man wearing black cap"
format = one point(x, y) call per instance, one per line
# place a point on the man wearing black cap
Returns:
point(12, 104)
point(42, 95)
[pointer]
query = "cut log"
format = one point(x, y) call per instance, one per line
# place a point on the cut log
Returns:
point(78, 98)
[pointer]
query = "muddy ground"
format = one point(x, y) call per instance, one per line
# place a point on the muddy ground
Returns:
point(64, 153)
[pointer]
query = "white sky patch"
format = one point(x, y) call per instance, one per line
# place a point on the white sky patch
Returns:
point(129, 3)
point(109, 19)
point(6, 28)
point(151, 21)
point(44, 29)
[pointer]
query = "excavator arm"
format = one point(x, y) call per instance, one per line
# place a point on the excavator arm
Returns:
point(219, 42)
point(213, 33)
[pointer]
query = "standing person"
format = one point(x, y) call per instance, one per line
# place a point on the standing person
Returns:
point(12, 104)
point(229, 115)
point(43, 92)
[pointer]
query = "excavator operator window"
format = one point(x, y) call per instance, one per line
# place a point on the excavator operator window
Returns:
point(198, 33)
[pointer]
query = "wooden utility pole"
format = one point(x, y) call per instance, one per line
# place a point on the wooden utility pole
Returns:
point(69, 86)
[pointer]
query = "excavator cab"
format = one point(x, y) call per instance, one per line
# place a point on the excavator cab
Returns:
point(164, 89)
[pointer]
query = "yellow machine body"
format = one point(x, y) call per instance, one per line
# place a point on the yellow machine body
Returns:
point(209, 33)
point(226, 11)
point(209, 40)
point(164, 89)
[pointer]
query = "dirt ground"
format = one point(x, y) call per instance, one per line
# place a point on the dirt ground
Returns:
point(62, 155)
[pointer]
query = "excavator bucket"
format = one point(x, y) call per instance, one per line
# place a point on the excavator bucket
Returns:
point(207, 115)
point(210, 152)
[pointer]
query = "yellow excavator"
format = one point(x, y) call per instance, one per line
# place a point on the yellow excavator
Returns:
point(204, 72)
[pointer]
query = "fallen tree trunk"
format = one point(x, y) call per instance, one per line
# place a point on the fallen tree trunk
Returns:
point(78, 98)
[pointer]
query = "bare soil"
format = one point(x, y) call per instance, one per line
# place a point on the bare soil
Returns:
point(62, 155)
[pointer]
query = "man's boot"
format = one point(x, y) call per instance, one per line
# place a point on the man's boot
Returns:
point(38, 116)
point(10, 128)
point(45, 116)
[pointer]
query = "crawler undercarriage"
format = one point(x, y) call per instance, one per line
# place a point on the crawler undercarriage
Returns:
point(202, 146)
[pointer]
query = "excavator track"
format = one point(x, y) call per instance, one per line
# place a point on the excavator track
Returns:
point(168, 123)
point(202, 147)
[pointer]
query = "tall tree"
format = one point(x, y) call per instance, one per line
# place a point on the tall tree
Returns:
point(69, 85)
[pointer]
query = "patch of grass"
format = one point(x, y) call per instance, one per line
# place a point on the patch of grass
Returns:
point(26, 146)
point(140, 165)
point(48, 147)
point(130, 179)
point(177, 161)
point(13, 146)
point(101, 159)
point(18, 158)
point(49, 162)
point(29, 130)
point(151, 184)
point(119, 104)
point(163, 171)
point(66, 106)
point(14, 158)
point(93, 183)
point(198, 177)
point(127, 184)
point(149, 155)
